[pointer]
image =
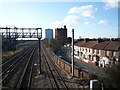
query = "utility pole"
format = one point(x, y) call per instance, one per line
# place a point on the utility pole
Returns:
point(72, 52)
point(39, 54)
point(119, 55)
point(15, 39)
point(39, 35)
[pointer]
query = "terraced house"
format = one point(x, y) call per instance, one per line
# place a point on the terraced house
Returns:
point(99, 52)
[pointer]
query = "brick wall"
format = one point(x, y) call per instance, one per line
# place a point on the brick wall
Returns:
point(67, 67)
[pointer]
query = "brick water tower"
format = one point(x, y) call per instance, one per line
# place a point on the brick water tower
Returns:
point(61, 35)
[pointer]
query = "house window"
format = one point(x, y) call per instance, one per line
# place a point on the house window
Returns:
point(107, 53)
point(80, 48)
point(95, 51)
point(81, 53)
point(113, 54)
point(98, 51)
point(78, 53)
point(94, 58)
point(97, 58)
point(89, 57)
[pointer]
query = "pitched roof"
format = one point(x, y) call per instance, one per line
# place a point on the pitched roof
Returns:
point(105, 45)
point(79, 43)
point(113, 45)
point(101, 45)
point(89, 44)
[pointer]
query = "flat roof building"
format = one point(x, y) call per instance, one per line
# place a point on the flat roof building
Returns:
point(49, 33)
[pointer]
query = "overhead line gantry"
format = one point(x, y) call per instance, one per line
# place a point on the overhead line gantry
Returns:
point(12, 34)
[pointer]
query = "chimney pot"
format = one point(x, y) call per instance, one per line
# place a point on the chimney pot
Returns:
point(86, 39)
point(64, 26)
point(99, 40)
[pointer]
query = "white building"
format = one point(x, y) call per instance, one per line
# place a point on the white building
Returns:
point(98, 52)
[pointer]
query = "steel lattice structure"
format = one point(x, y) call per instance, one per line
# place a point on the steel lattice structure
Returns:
point(13, 33)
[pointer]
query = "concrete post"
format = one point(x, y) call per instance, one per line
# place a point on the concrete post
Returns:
point(39, 35)
point(39, 54)
point(72, 52)
point(119, 55)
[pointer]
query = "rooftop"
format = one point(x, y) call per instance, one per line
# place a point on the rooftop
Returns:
point(102, 44)
point(113, 45)
point(89, 44)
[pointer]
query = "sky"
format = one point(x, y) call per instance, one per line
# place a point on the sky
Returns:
point(88, 19)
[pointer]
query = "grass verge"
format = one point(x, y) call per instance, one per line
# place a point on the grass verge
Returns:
point(9, 54)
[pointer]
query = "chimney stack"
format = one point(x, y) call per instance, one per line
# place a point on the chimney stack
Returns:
point(99, 40)
point(116, 39)
point(64, 26)
point(112, 39)
point(81, 39)
point(86, 39)
point(106, 39)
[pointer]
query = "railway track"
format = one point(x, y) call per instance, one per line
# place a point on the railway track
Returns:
point(19, 73)
point(11, 69)
point(26, 76)
point(59, 82)
point(11, 65)
point(12, 58)
point(18, 65)
point(6, 63)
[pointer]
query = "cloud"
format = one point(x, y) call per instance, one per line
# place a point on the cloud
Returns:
point(86, 11)
point(96, 9)
point(111, 4)
point(74, 16)
point(56, 24)
point(68, 20)
point(104, 22)
point(87, 23)
point(72, 19)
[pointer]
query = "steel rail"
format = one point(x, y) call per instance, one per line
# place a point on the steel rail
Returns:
point(7, 76)
point(57, 86)
point(21, 80)
point(13, 69)
point(53, 64)
point(2, 64)
point(50, 79)
point(17, 61)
